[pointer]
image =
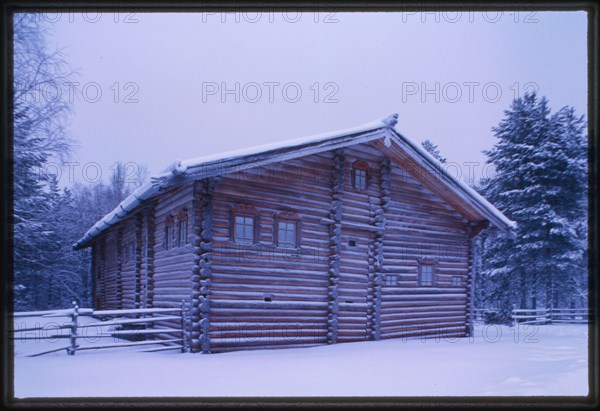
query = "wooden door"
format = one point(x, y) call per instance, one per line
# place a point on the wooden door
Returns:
point(353, 323)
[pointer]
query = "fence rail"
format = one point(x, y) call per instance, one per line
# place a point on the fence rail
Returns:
point(551, 315)
point(149, 316)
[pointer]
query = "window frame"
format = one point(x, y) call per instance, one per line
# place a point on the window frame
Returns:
point(169, 242)
point(244, 239)
point(394, 282)
point(247, 211)
point(287, 217)
point(182, 222)
point(129, 254)
point(431, 264)
point(362, 166)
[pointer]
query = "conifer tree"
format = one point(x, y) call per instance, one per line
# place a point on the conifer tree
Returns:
point(540, 183)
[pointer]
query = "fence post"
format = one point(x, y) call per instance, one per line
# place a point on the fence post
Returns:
point(549, 315)
point(515, 319)
point(183, 330)
point(71, 350)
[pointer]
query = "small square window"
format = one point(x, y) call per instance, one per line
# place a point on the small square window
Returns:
point(391, 280)
point(352, 243)
point(456, 281)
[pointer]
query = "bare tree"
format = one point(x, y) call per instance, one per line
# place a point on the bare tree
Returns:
point(41, 114)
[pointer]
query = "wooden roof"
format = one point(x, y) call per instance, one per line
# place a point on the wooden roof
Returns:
point(380, 133)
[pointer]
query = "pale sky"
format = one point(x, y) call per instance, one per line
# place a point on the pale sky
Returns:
point(448, 75)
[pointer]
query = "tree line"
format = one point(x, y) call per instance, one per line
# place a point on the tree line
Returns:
point(47, 219)
point(540, 182)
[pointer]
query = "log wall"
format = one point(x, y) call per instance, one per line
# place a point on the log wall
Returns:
point(358, 248)
point(128, 263)
point(330, 287)
point(172, 268)
point(294, 279)
point(419, 225)
point(110, 274)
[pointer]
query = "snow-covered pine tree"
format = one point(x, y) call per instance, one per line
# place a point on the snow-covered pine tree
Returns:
point(433, 150)
point(539, 182)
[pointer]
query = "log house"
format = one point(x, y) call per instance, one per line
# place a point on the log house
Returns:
point(346, 236)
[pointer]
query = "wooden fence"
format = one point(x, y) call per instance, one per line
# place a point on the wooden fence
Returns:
point(147, 316)
point(551, 316)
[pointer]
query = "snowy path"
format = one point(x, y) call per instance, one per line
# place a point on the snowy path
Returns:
point(511, 366)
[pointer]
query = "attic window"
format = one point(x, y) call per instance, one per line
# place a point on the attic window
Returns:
point(360, 173)
point(352, 242)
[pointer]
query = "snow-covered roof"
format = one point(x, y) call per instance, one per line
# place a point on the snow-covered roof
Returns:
point(237, 160)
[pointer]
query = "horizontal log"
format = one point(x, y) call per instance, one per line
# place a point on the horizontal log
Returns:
point(263, 340)
point(171, 347)
point(215, 313)
point(219, 349)
point(351, 224)
point(38, 338)
point(65, 347)
point(268, 305)
point(130, 344)
point(129, 321)
point(137, 311)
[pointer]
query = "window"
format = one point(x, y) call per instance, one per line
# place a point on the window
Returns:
point(360, 171)
point(426, 272)
point(244, 221)
point(129, 254)
point(456, 281)
point(391, 280)
point(244, 229)
point(181, 228)
point(352, 242)
point(286, 234)
point(169, 233)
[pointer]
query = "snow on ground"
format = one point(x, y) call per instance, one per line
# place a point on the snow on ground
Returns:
point(497, 361)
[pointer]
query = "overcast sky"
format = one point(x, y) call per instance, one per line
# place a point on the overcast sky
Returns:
point(185, 85)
